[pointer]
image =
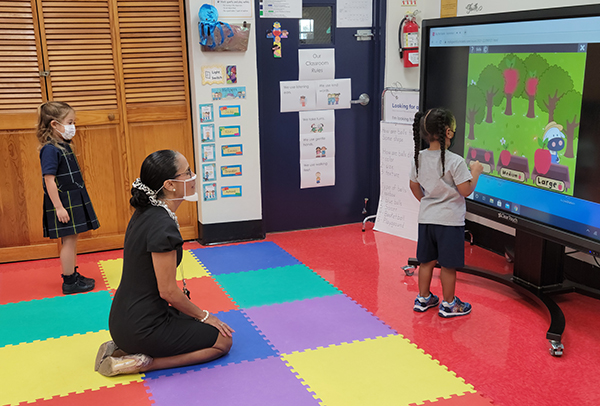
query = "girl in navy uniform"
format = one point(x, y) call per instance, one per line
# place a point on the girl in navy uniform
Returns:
point(68, 210)
point(440, 180)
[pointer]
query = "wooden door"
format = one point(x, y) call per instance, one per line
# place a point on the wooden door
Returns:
point(130, 96)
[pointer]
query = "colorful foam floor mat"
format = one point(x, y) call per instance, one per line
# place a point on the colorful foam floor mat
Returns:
point(298, 340)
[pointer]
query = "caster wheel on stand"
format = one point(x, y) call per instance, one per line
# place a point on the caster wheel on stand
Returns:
point(556, 348)
point(409, 270)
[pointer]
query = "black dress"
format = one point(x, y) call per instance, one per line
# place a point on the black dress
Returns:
point(140, 320)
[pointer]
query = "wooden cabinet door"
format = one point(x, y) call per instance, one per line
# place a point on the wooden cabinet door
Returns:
point(22, 90)
point(155, 91)
point(80, 54)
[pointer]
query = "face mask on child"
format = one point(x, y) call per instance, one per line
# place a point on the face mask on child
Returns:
point(190, 198)
point(69, 131)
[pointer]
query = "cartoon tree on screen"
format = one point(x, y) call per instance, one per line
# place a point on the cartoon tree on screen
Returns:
point(491, 82)
point(475, 108)
point(513, 70)
point(554, 83)
point(568, 112)
point(535, 66)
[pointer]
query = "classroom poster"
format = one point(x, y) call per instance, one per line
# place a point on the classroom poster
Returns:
point(317, 148)
point(317, 134)
point(400, 106)
point(398, 209)
point(208, 153)
point(209, 191)
point(280, 8)
point(333, 94)
point(297, 95)
point(234, 8)
point(354, 13)
point(208, 132)
point(209, 172)
point(317, 172)
point(316, 64)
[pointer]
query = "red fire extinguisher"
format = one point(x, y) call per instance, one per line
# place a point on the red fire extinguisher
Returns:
point(408, 38)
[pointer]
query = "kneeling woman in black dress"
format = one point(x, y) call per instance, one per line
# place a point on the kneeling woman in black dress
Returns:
point(152, 323)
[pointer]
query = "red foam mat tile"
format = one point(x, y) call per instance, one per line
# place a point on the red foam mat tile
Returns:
point(18, 285)
point(467, 399)
point(132, 394)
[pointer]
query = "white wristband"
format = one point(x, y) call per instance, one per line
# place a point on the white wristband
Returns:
point(205, 317)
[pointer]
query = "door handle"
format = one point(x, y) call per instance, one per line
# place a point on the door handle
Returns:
point(363, 100)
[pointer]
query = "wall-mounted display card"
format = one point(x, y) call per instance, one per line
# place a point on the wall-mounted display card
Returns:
point(208, 153)
point(206, 113)
point(297, 95)
point(317, 134)
point(209, 172)
point(333, 94)
point(231, 72)
point(315, 64)
point(209, 191)
point(212, 75)
point(229, 93)
point(234, 8)
point(208, 132)
point(231, 170)
point(231, 150)
point(280, 8)
point(230, 111)
point(231, 191)
point(354, 13)
point(317, 172)
point(230, 131)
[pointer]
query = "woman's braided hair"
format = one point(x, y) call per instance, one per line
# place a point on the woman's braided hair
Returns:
point(431, 126)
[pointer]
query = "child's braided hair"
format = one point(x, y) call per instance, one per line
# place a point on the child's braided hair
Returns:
point(431, 126)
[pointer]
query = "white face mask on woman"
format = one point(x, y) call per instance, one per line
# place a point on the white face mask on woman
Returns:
point(190, 198)
point(69, 131)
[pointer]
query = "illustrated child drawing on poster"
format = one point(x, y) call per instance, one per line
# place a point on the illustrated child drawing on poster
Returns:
point(318, 174)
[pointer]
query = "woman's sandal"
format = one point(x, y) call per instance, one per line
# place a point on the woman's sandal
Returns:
point(127, 364)
point(106, 350)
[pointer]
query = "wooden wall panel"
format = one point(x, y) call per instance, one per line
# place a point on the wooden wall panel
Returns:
point(148, 137)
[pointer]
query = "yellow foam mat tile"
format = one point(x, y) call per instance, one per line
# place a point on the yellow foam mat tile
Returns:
point(189, 267)
point(44, 369)
point(384, 371)
point(112, 269)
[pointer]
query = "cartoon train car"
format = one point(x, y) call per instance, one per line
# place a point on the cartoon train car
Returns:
point(485, 157)
point(513, 167)
point(556, 178)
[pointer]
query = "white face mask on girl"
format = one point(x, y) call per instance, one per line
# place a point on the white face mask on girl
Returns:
point(69, 131)
point(190, 198)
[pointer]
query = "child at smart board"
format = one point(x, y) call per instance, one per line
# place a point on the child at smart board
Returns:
point(440, 180)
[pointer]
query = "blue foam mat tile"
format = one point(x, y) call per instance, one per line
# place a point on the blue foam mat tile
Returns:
point(54, 317)
point(243, 257)
point(248, 345)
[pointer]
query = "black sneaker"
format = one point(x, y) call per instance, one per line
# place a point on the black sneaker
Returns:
point(83, 278)
point(79, 286)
